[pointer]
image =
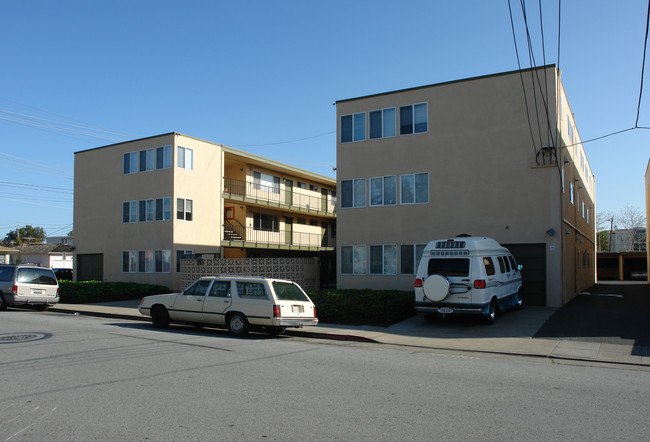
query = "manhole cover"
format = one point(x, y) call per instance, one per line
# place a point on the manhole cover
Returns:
point(10, 338)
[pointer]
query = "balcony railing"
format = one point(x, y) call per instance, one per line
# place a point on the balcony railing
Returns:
point(278, 196)
point(283, 239)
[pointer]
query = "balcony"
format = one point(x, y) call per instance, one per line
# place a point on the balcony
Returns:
point(281, 197)
point(248, 237)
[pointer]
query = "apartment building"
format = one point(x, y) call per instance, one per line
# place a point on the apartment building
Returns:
point(497, 156)
point(143, 205)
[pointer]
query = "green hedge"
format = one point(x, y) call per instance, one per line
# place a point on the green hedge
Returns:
point(363, 307)
point(97, 291)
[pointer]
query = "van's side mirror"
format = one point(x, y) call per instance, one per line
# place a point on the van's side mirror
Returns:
point(520, 267)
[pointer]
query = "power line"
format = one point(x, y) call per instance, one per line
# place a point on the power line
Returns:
point(286, 141)
point(36, 187)
point(559, 21)
point(645, 44)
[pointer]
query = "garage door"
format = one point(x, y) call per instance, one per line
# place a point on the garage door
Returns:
point(533, 258)
point(90, 267)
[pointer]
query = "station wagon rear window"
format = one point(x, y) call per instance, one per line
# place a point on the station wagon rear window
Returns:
point(449, 266)
point(36, 276)
point(250, 290)
point(288, 292)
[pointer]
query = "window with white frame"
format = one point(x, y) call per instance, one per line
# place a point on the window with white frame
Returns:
point(354, 260)
point(184, 209)
point(182, 254)
point(353, 193)
point(146, 210)
point(353, 127)
point(145, 261)
point(185, 158)
point(414, 188)
point(147, 160)
point(129, 211)
point(413, 119)
point(266, 222)
point(163, 209)
point(383, 191)
point(164, 157)
point(571, 198)
point(410, 256)
point(383, 259)
point(382, 123)
point(266, 183)
point(163, 261)
point(130, 163)
point(129, 261)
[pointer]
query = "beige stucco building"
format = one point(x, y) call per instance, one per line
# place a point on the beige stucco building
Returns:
point(647, 218)
point(142, 205)
point(496, 156)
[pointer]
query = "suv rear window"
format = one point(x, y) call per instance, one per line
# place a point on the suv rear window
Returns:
point(449, 266)
point(36, 276)
point(286, 291)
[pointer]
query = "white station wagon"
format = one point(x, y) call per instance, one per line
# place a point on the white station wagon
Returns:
point(237, 302)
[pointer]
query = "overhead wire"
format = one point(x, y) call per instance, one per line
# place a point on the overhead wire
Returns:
point(533, 66)
point(645, 44)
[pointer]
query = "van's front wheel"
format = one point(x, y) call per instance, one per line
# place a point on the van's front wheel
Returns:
point(492, 313)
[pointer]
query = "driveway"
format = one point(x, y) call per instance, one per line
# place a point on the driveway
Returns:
point(608, 312)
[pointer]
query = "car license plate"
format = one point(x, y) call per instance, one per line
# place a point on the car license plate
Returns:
point(297, 308)
point(445, 310)
point(37, 291)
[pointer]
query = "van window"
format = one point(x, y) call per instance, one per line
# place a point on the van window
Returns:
point(489, 266)
point(513, 263)
point(449, 266)
point(507, 264)
point(36, 276)
point(502, 267)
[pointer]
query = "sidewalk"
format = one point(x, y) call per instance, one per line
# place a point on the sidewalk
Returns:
point(512, 334)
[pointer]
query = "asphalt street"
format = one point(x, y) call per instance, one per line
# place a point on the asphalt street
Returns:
point(73, 377)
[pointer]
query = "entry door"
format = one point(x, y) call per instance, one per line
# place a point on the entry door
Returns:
point(217, 302)
point(323, 201)
point(288, 230)
point(288, 192)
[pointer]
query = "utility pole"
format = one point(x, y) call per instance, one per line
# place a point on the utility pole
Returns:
point(609, 243)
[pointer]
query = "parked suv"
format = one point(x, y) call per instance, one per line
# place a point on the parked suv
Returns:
point(27, 285)
point(467, 275)
point(237, 302)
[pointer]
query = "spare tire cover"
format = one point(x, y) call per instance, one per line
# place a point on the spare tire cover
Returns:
point(436, 287)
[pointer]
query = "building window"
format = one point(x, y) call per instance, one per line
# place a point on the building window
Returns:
point(571, 200)
point(313, 187)
point(184, 209)
point(383, 191)
point(163, 209)
point(354, 260)
point(413, 119)
point(353, 193)
point(147, 160)
point(383, 260)
point(410, 258)
point(130, 162)
point(414, 188)
point(145, 261)
point(570, 127)
point(266, 222)
point(182, 254)
point(382, 123)
point(129, 261)
point(266, 183)
point(353, 127)
point(301, 220)
point(145, 210)
point(163, 261)
point(185, 158)
point(164, 157)
point(301, 185)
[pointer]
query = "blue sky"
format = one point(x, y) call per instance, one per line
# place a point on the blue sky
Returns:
point(262, 76)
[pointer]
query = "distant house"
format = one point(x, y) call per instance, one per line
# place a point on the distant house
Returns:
point(60, 240)
point(5, 254)
point(45, 255)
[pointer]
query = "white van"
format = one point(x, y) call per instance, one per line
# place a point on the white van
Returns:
point(467, 275)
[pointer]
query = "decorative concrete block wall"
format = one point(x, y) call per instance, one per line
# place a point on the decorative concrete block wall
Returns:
point(304, 271)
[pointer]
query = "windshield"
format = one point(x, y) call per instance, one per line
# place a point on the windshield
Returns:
point(36, 276)
point(449, 266)
point(288, 291)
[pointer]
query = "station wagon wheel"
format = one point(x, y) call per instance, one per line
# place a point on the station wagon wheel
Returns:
point(238, 324)
point(3, 303)
point(160, 317)
point(492, 313)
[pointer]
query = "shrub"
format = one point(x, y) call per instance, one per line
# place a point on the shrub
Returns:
point(363, 307)
point(98, 291)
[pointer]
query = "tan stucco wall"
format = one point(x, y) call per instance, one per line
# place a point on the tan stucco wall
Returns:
point(483, 178)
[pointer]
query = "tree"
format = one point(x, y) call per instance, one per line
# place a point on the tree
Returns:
point(27, 234)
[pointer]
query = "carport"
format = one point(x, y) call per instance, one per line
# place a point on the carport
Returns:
point(619, 266)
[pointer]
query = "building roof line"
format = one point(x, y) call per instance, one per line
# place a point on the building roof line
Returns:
point(445, 83)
